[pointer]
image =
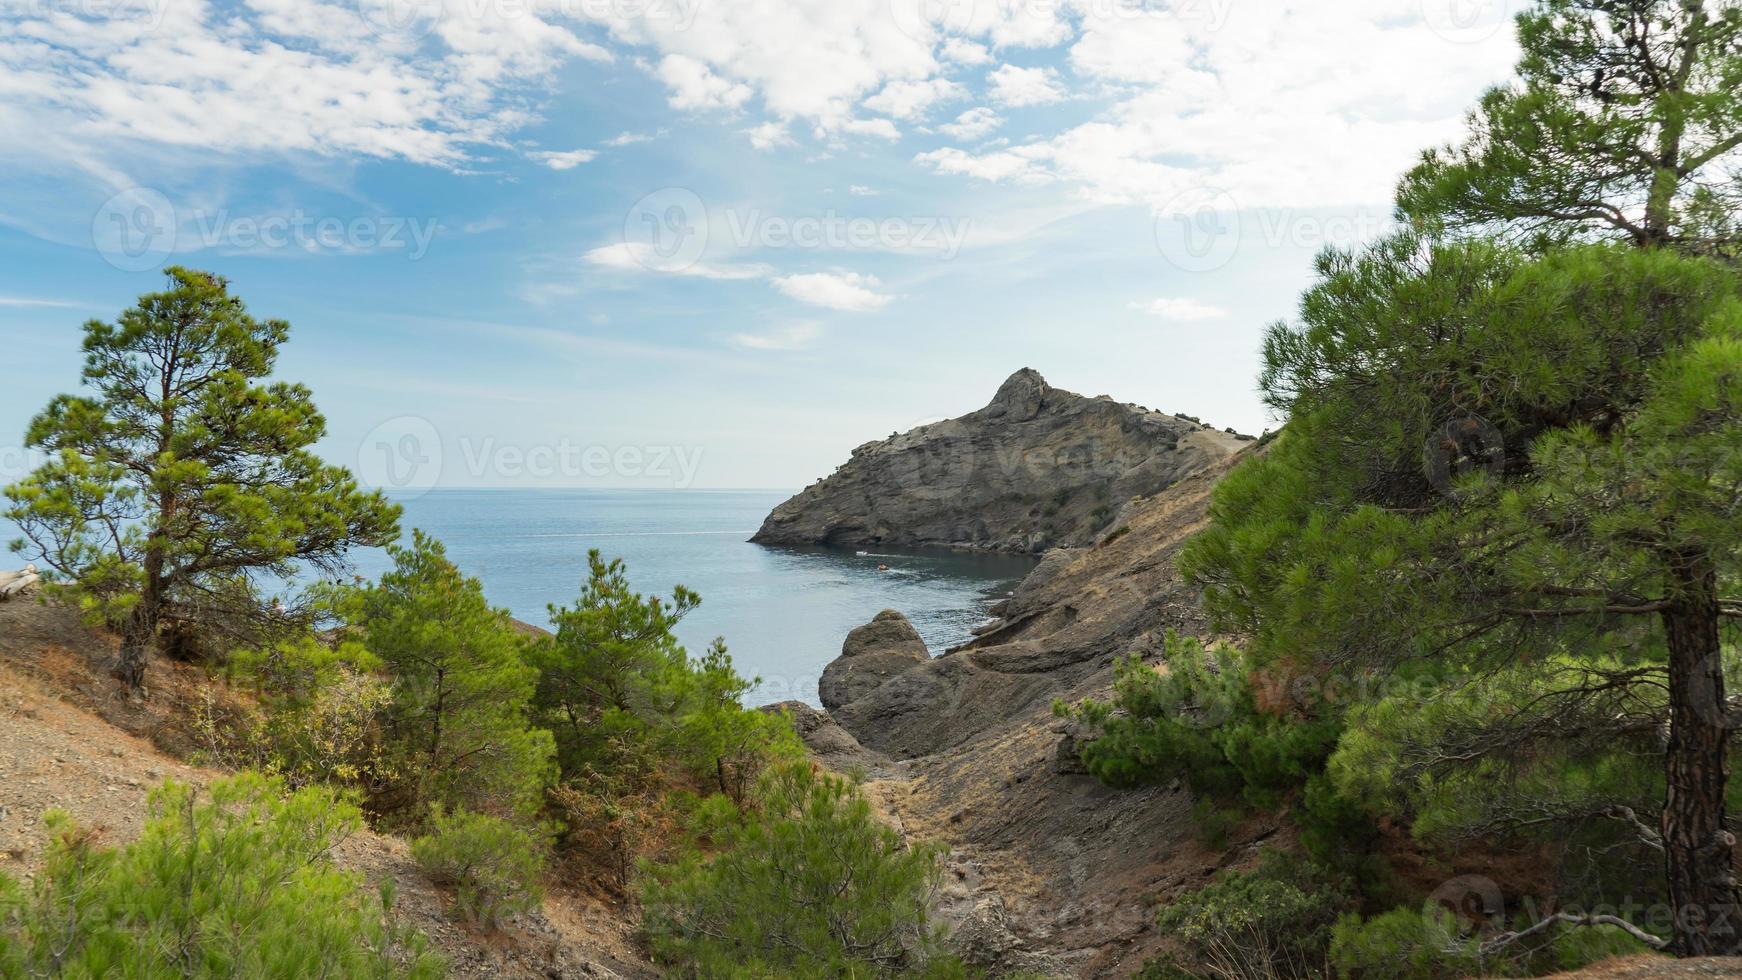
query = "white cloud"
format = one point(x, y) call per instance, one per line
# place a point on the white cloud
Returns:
point(1271, 107)
point(1022, 165)
point(627, 139)
point(910, 100)
point(306, 76)
point(848, 291)
point(1181, 310)
point(964, 52)
point(860, 190)
point(27, 301)
point(1280, 105)
point(769, 135)
point(693, 85)
point(1016, 86)
point(563, 159)
point(641, 257)
point(880, 128)
point(973, 124)
point(796, 336)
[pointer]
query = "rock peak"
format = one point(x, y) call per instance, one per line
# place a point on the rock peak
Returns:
point(1020, 396)
point(1038, 467)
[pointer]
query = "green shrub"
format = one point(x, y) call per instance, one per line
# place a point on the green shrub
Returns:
point(1195, 717)
point(318, 719)
point(1214, 825)
point(1274, 921)
point(807, 883)
point(494, 867)
point(237, 885)
point(609, 825)
point(1403, 944)
point(1429, 942)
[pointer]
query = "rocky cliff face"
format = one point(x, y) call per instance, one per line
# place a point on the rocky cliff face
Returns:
point(1037, 468)
point(1051, 871)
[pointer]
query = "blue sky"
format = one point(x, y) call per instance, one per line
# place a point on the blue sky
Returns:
point(704, 243)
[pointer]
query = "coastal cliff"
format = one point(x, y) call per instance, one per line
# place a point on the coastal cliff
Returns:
point(1051, 871)
point(1037, 468)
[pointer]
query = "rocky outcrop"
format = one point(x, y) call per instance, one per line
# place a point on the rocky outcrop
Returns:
point(1077, 612)
point(871, 655)
point(1037, 468)
point(18, 583)
point(1050, 871)
point(828, 742)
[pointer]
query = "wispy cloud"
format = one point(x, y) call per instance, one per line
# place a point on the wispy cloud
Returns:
point(849, 291)
point(796, 336)
point(643, 257)
point(1180, 310)
point(564, 159)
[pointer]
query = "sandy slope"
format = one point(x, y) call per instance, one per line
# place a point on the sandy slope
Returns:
point(70, 738)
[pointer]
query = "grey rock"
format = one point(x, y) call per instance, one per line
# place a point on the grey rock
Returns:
point(1036, 468)
point(1078, 611)
point(828, 742)
point(871, 655)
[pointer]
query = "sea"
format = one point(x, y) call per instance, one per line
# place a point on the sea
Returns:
point(783, 612)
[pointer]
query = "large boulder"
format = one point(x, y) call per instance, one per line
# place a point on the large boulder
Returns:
point(871, 655)
point(828, 742)
point(1038, 467)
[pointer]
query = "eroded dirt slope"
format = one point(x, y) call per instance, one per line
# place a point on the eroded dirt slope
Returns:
point(71, 738)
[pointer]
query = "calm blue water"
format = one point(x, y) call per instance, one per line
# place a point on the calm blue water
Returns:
point(783, 612)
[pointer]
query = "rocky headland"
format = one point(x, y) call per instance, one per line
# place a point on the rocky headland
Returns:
point(1037, 468)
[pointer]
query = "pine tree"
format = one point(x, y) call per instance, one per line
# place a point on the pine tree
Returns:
point(1625, 123)
point(1521, 477)
point(185, 477)
point(614, 670)
point(1519, 481)
point(458, 728)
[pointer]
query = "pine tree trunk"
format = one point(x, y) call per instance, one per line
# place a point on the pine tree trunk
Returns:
point(141, 628)
point(1698, 850)
point(129, 663)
